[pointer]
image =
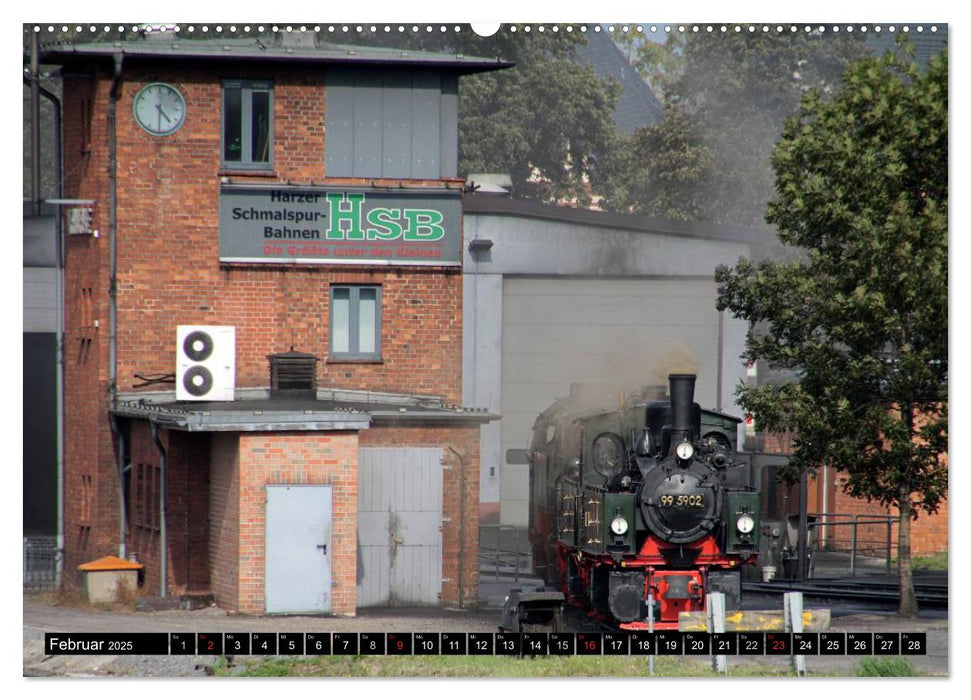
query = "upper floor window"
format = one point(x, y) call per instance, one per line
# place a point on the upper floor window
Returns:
point(355, 322)
point(247, 129)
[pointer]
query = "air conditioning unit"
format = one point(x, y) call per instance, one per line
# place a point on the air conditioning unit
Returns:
point(205, 363)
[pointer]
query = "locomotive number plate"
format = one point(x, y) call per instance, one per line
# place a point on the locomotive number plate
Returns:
point(690, 500)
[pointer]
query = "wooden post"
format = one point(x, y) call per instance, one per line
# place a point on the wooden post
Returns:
point(716, 625)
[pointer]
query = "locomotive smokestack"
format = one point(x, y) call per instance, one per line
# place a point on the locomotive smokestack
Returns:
point(682, 404)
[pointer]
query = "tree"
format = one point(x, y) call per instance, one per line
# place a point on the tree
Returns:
point(736, 89)
point(861, 318)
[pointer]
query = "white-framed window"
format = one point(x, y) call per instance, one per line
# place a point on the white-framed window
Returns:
point(355, 322)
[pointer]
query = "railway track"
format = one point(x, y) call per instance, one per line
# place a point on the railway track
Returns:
point(931, 592)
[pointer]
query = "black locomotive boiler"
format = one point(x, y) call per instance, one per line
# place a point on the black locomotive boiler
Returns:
point(643, 504)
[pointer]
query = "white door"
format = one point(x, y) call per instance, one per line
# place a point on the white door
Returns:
point(298, 548)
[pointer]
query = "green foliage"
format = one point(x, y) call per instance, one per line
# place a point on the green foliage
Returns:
point(862, 186)
point(735, 89)
point(661, 166)
point(886, 666)
point(931, 562)
point(862, 316)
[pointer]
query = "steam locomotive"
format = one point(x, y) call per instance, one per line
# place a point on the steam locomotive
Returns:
point(645, 504)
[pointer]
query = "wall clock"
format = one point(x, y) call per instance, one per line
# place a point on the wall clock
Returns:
point(159, 109)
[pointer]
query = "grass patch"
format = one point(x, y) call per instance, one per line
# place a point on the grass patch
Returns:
point(932, 562)
point(483, 667)
point(885, 666)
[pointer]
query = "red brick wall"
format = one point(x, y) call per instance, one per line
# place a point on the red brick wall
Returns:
point(224, 519)
point(297, 458)
point(461, 532)
point(187, 510)
point(929, 533)
point(169, 274)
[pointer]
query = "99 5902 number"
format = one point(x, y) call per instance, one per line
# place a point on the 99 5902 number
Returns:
point(690, 500)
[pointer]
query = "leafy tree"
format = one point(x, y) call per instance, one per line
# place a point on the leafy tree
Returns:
point(862, 318)
point(660, 167)
point(737, 89)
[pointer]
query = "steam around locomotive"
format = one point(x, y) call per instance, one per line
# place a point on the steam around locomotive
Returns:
point(645, 504)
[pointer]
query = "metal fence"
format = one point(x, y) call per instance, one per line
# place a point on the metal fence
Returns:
point(504, 553)
point(41, 560)
point(866, 541)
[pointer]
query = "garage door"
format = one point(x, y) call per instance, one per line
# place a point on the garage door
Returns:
point(627, 333)
point(399, 523)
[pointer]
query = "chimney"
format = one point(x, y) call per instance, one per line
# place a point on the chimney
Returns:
point(293, 374)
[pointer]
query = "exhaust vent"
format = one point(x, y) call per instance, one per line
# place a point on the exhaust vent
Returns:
point(293, 374)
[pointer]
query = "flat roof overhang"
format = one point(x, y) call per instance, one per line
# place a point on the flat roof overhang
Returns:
point(292, 414)
point(251, 50)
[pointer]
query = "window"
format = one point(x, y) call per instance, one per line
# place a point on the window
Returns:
point(355, 322)
point(247, 136)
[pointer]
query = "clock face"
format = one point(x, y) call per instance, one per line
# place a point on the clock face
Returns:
point(159, 109)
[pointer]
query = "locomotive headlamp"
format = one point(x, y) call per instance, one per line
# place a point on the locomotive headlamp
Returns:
point(745, 524)
point(619, 526)
point(685, 450)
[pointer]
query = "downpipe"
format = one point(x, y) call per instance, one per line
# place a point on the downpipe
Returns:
point(163, 503)
point(112, 295)
point(461, 548)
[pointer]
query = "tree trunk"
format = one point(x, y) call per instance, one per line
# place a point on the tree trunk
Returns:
point(908, 598)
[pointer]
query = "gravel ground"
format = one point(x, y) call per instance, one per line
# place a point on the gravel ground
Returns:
point(41, 616)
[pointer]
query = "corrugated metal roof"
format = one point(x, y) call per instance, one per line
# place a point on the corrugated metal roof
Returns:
point(256, 49)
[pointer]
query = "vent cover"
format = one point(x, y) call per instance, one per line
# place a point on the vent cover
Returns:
point(293, 374)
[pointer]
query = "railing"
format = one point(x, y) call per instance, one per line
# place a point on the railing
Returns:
point(503, 552)
point(40, 564)
point(862, 537)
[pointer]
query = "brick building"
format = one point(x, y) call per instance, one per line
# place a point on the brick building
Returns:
point(255, 199)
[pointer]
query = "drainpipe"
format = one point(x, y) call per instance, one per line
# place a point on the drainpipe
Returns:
point(163, 501)
point(122, 449)
point(461, 548)
point(113, 233)
point(35, 123)
point(112, 297)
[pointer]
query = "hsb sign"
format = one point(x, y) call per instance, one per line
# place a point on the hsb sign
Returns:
point(421, 227)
